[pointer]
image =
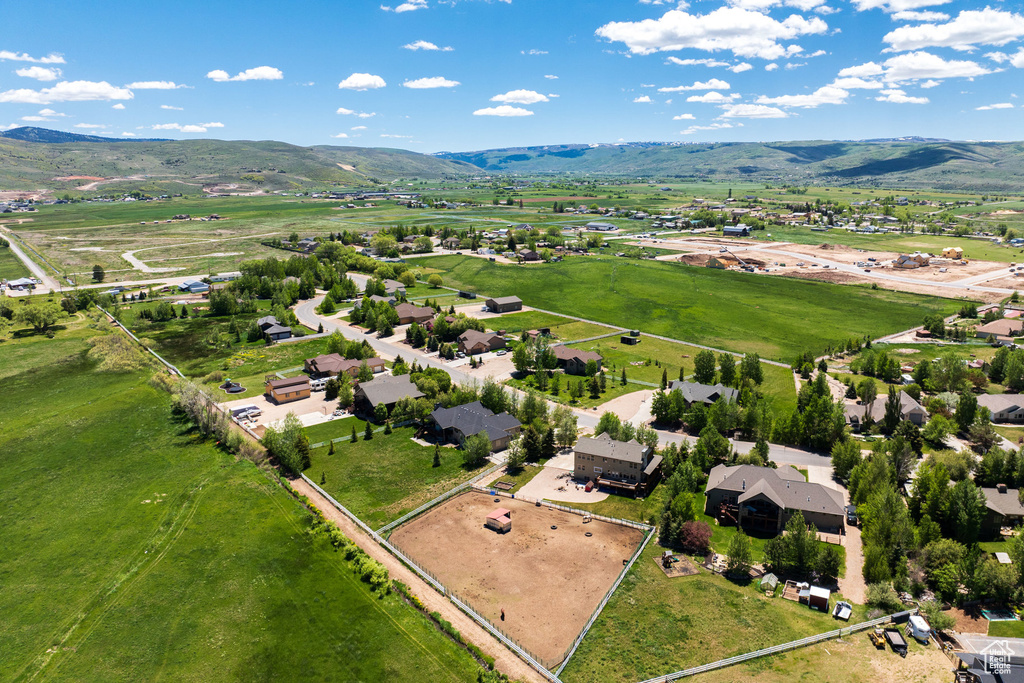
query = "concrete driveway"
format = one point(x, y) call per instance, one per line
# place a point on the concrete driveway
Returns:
point(554, 483)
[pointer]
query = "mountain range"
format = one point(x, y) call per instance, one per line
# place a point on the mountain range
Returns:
point(34, 158)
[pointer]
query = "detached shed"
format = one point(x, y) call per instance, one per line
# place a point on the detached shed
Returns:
point(500, 520)
point(818, 598)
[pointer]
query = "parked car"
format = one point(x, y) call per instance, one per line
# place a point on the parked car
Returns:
point(501, 352)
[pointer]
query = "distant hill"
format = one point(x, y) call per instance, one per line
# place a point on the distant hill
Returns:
point(33, 158)
point(906, 162)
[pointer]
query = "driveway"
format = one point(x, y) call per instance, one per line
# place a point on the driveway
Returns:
point(974, 642)
point(554, 483)
point(310, 411)
point(852, 585)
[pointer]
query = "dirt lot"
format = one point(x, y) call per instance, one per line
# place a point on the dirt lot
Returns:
point(494, 572)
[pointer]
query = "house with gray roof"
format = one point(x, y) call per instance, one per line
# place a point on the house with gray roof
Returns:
point(910, 409)
point(703, 393)
point(393, 287)
point(763, 499)
point(387, 390)
point(623, 466)
point(1004, 407)
point(504, 304)
point(574, 361)
point(461, 422)
point(1002, 509)
point(474, 341)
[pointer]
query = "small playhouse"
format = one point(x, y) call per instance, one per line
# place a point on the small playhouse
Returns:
point(500, 520)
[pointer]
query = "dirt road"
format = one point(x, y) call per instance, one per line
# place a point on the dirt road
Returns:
point(505, 661)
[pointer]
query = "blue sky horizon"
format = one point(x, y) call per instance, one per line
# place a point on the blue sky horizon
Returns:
point(463, 75)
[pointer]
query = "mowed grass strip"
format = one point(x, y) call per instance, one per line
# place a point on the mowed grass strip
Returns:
point(11, 267)
point(775, 317)
point(134, 551)
point(381, 479)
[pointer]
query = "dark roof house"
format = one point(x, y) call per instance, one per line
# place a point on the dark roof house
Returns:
point(574, 361)
point(703, 393)
point(461, 422)
point(387, 390)
point(504, 304)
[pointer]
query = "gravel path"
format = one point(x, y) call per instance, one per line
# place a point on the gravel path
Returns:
point(505, 661)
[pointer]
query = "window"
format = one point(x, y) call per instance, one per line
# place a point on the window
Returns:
point(598, 470)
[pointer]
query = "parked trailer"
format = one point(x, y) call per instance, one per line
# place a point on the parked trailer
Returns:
point(896, 641)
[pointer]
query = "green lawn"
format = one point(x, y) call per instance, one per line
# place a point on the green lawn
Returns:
point(135, 551)
point(524, 477)
point(776, 317)
point(1006, 629)
point(613, 389)
point(11, 267)
point(654, 625)
point(563, 329)
point(382, 479)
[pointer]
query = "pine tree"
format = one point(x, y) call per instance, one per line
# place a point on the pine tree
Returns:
point(387, 427)
point(368, 434)
point(437, 455)
point(664, 378)
point(355, 437)
point(682, 374)
point(623, 376)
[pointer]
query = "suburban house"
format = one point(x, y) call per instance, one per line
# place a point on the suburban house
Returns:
point(1005, 327)
point(272, 329)
point(393, 287)
point(736, 231)
point(473, 341)
point(332, 365)
point(909, 410)
point(626, 466)
point(953, 253)
point(1004, 407)
point(764, 499)
point(386, 390)
point(411, 313)
point(461, 422)
point(194, 287)
point(574, 361)
point(1002, 508)
point(703, 393)
point(600, 227)
point(451, 243)
point(376, 299)
point(287, 390)
point(915, 260)
point(528, 255)
point(504, 304)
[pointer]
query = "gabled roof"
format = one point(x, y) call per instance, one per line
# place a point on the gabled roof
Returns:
point(473, 418)
point(288, 382)
point(605, 447)
point(473, 337)
point(1002, 327)
point(1007, 504)
point(277, 329)
point(702, 392)
point(406, 310)
point(785, 487)
point(855, 412)
point(388, 389)
point(1000, 402)
point(503, 300)
point(564, 353)
point(267, 321)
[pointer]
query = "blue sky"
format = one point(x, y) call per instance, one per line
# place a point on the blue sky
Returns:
point(460, 75)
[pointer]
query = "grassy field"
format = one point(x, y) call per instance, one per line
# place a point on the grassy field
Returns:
point(11, 267)
point(382, 479)
point(135, 551)
point(1006, 629)
point(736, 311)
point(563, 329)
point(655, 625)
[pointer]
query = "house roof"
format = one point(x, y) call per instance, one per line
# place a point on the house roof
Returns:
point(406, 310)
point(391, 286)
point(1002, 327)
point(473, 337)
point(288, 382)
point(267, 320)
point(785, 487)
point(1006, 504)
point(499, 514)
point(702, 392)
point(855, 412)
point(388, 389)
point(503, 300)
point(329, 362)
point(473, 418)
point(1000, 402)
point(277, 329)
point(606, 447)
point(564, 353)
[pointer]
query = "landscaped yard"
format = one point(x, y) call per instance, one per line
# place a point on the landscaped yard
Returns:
point(382, 479)
point(133, 550)
point(719, 308)
point(1006, 629)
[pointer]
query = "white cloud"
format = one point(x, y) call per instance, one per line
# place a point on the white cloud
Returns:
point(431, 82)
point(971, 27)
point(127, 134)
point(914, 66)
point(930, 83)
point(713, 84)
point(1000, 105)
point(643, 99)
point(34, 118)
point(171, 108)
point(259, 73)
point(188, 128)
point(895, 5)
point(408, 6)
point(215, 124)
point(854, 83)
point(828, 94)
point(771, 67)
point(9, 126)
point(357, 114)
point(503, 110)
point(740, 68)
point(714, 126)
point(161, 85)
point(520, 97)
point(361, 81)
point(900, 97)
point(684, 117)
point(426, 45)
point(90, 125)
point(40, 73)
point(340, 135)
point(118, 106)
point(912, 15)
point(751, 111)
point(793, 65)
point(825, 10)
point(696, 62)
point(712, 97)
point(744, 32)
point(817, 53)
point(398, 137)
point(551, 77)
point(52, 58)
point(68, 91)
point(862, 70)
point(533, 52)
point(358, 128)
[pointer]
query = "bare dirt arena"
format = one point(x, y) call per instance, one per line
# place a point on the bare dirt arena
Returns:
point(548, 581)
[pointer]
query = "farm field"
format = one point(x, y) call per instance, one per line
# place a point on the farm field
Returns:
point(700, 305)
point(655, 625)
point(547, 580)
point(382, 479)
point(563, 329)
point(168, 556)
point(11, 267)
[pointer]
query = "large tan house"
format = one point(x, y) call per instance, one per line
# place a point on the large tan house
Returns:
point(473, 341)
point(332, 365)
point(287, 390)
point(909, 410)
point(764, 499)
point(625, 466)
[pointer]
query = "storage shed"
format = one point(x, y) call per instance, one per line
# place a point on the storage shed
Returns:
point(818, 598)
point(500, 520)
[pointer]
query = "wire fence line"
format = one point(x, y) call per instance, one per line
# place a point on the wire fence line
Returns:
point(565, 508)
point(778, 649)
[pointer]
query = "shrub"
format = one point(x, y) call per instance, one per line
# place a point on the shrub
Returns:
point(695, 537)
point(881, 595)
point(215, 376)
point(116, 353)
